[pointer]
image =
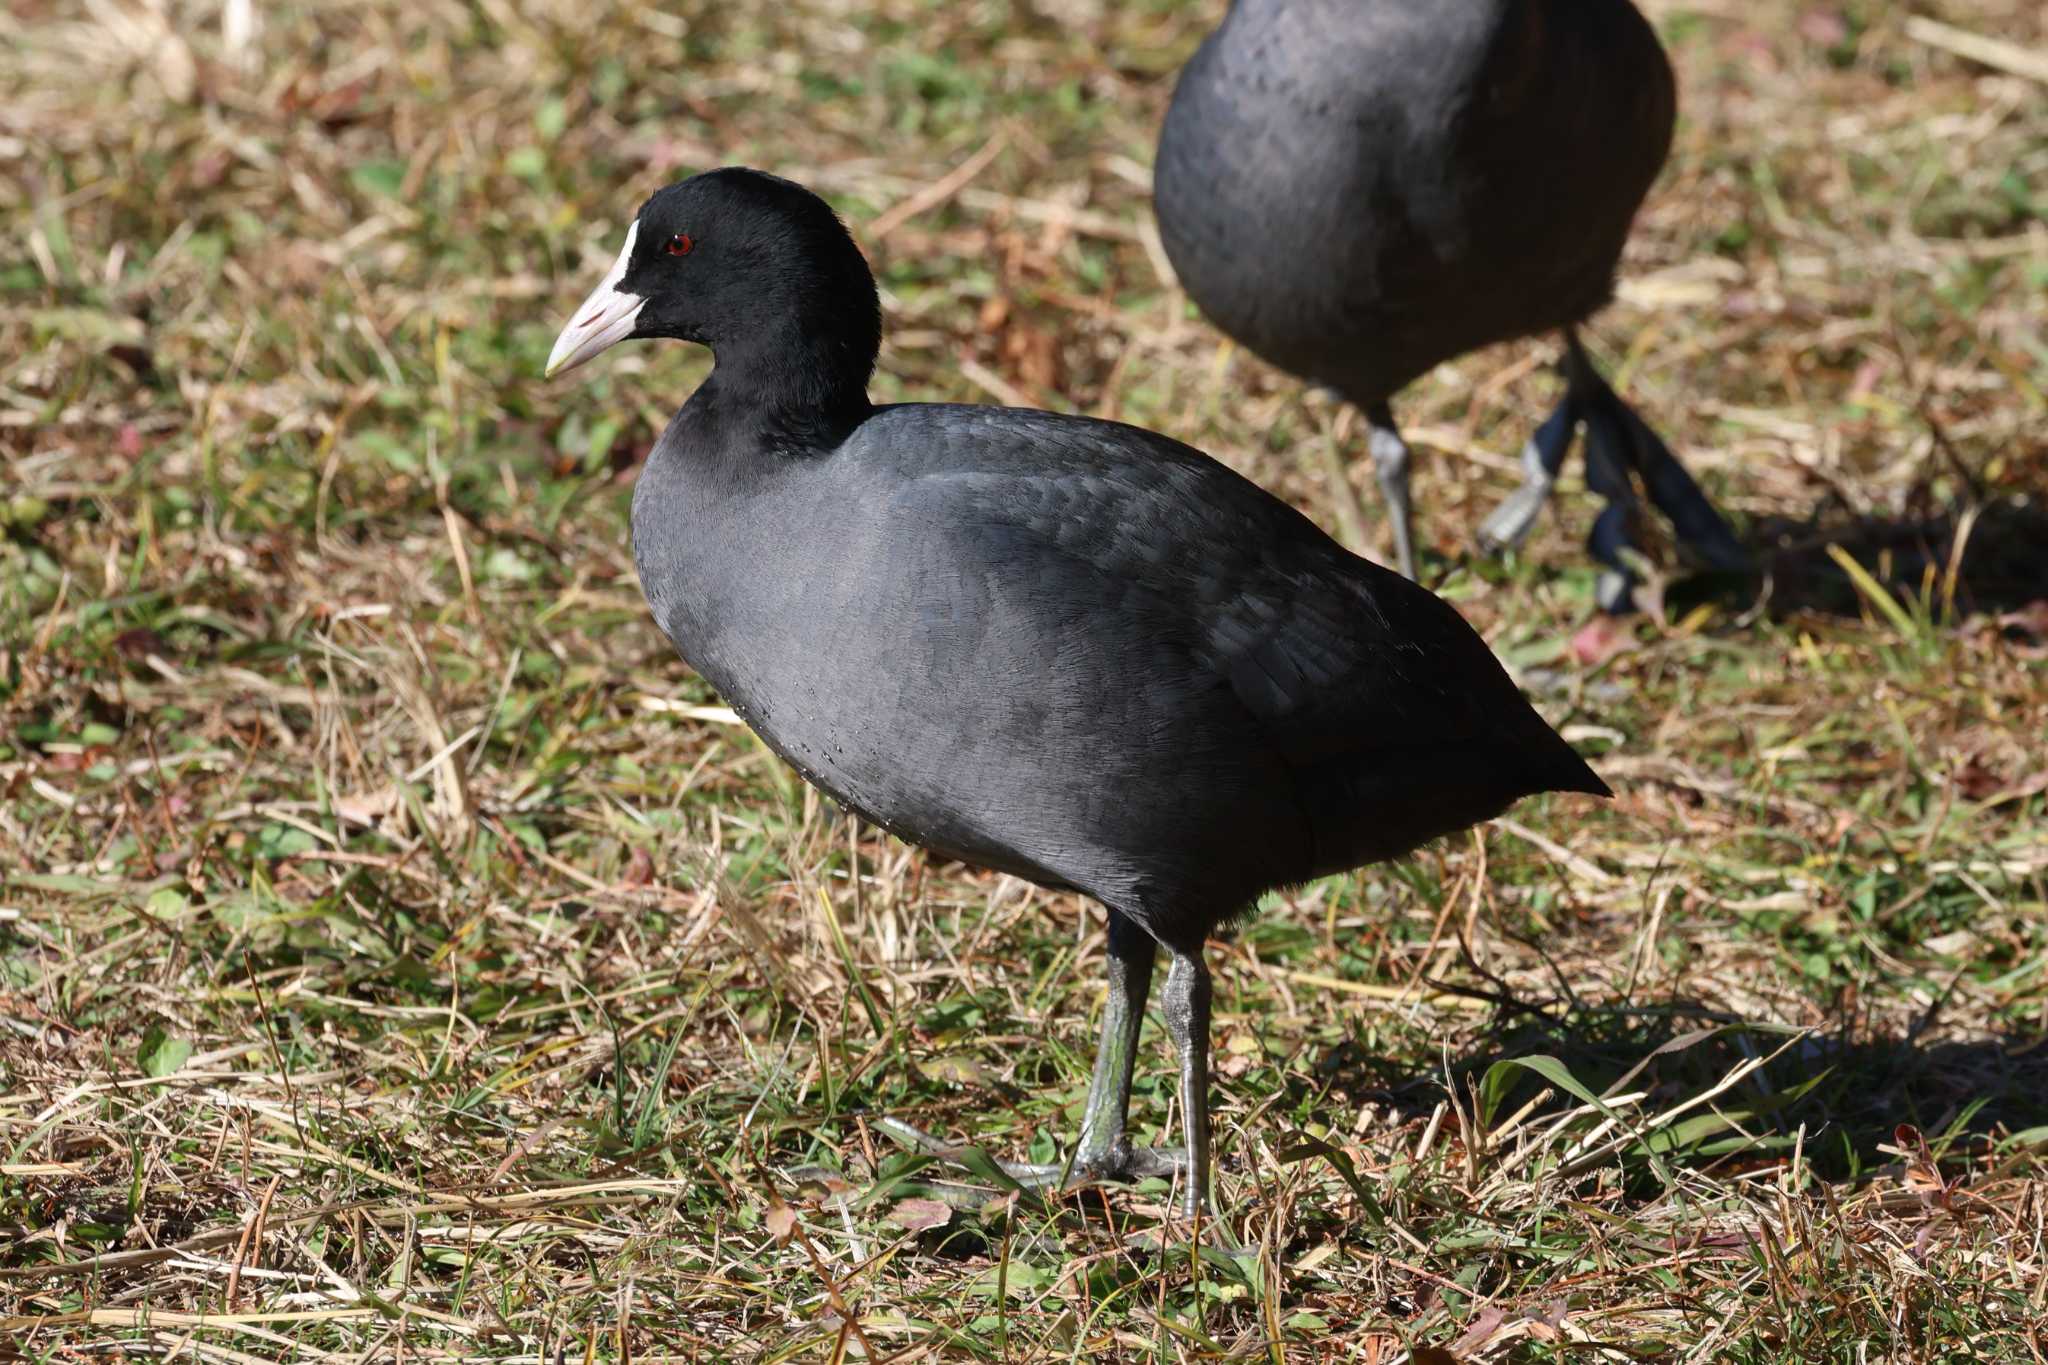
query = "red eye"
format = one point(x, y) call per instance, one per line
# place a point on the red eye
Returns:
point(680, 244)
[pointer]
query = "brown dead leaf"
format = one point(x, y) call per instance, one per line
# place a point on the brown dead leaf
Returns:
point(2028, 625)
point(366, 808)
point(820, 1184)
point(1923, 1176)
point(1032, 355)
point(1236, 1054)
point(639, 868)
point(780, 1222)
point(1975, 782)
point(207, 170)
point(176, 70)
point(919, 1215)
point(1824, 27)
point(1485, 1323)
point(139, 642)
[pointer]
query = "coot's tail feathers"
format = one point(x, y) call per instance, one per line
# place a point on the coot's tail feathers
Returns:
point(1385, 803)
point(1552, 765)
point(1571, 773)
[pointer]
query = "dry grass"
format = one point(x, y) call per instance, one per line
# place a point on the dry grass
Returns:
point(400, 956)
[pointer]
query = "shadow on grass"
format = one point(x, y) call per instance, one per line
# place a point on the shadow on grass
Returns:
point(2004, 565)
point(1851, 1094)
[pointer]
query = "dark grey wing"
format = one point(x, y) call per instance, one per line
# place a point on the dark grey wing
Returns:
point(1326, 653)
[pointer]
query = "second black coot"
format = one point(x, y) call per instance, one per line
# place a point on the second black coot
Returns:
point(1068, 649)
point(1360, 190)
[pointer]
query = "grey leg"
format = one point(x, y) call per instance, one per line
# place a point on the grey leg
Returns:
point(1390, 461)
point(1105, 1145)
point(1105, 1152)
point(1187, 1020)
point(1542, 457)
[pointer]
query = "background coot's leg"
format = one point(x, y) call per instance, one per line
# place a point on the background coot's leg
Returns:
point(1617, 441)
point(1613, 426)
point(1699, 525)
point(1617, 531)
point(1390, 462)
point(1186, 1003)
point(1542, 458)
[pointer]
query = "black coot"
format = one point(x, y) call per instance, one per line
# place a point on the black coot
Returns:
point(1072, 650)
point(1359, 190)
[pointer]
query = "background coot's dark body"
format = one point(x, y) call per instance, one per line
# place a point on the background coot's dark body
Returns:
point(1359, 190)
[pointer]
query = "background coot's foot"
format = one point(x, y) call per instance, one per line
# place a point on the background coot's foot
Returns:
point(1543, 458)
point(1616, 540)
point(1699, 525)
point(1622, 453)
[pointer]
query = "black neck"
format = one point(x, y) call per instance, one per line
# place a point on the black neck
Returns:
point(799, 393)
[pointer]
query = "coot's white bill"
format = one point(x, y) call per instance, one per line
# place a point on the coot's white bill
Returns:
point(604, 319)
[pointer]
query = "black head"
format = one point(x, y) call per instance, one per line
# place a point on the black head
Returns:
point(756, 267)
